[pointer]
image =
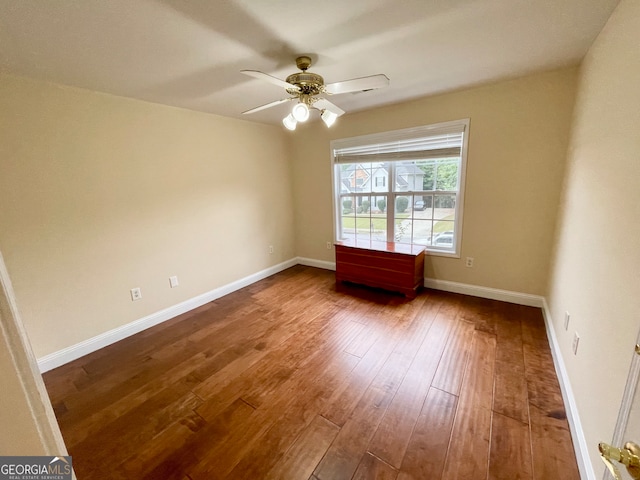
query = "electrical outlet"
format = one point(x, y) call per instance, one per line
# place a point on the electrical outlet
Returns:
point(469, 262)
point(566, 320)
point(329, 245)
point(576, 341)
point(173, 281)
point(270, 249)
point(136, 294)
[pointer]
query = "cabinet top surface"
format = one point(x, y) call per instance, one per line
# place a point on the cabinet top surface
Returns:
point(403, 248)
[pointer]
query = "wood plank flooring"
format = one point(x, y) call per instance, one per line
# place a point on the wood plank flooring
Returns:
point(290, 378)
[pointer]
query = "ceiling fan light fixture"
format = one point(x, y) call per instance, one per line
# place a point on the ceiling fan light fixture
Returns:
point(289, 122)
point(300, 112)
point(328, 117)
point(306, 89)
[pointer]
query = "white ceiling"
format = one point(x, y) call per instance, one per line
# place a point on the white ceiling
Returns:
point(189, 53)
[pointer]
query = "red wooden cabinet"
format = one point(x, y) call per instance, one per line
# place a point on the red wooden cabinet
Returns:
point(392, 266)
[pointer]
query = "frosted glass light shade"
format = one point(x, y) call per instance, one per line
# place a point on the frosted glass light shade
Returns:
point(300, 112)
point(328, 117)
point(289, 122)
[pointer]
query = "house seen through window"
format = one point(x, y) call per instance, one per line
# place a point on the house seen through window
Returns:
point(404, 186)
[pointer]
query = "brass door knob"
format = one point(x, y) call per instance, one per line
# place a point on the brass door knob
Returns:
point(629, 456)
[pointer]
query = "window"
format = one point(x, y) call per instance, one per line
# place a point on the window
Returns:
point(381, 181)
point(411, 190)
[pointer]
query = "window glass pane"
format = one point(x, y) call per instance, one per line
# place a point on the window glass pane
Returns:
point(442, 234)
point(443, 240)
point(422, 206)
point(414, 204)
point(346, 181)
point(377, 220)
point(365, 179)
point(428, 206)
point(403, 219)
point(347, 206)
point(379, 228)
point(348, 220)
point(379, 205)
point(380, 175)
point(402, 230)
point(444, 207)
point(402, 205)
point(421, 232)
point(363, 217)
point(356, 178)
point(364, 205)
point(428, 168)
point(447, 174)
point(361, 220)
point(377, 176)
point(409, 177)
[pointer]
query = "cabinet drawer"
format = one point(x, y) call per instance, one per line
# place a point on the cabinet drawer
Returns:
point(391, 262)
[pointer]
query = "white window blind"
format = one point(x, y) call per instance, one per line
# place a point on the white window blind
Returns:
point(409, 144)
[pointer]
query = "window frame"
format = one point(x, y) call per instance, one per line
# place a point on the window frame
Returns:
point(391, 193)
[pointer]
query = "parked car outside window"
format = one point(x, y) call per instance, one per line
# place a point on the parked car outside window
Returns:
point(444, 239)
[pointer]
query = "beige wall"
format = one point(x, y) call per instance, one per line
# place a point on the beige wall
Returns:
point(517, 145)
point(596, 272)
point(101, 194)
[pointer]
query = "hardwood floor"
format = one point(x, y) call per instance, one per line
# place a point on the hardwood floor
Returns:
point(291, 379)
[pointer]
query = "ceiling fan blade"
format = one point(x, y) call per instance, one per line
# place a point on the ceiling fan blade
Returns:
point(268, 105)
point(324, 104)
point(358, 84)
point(269, 78)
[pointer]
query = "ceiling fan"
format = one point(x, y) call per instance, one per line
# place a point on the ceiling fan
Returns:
point(307, 88)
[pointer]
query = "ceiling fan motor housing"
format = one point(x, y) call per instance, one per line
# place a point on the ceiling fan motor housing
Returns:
point(308, 83)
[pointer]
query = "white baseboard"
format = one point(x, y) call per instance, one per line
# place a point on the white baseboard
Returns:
point(66, 355)
point(485, 292)
point(311, 262)
point(575, 425)
point(454, 287)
